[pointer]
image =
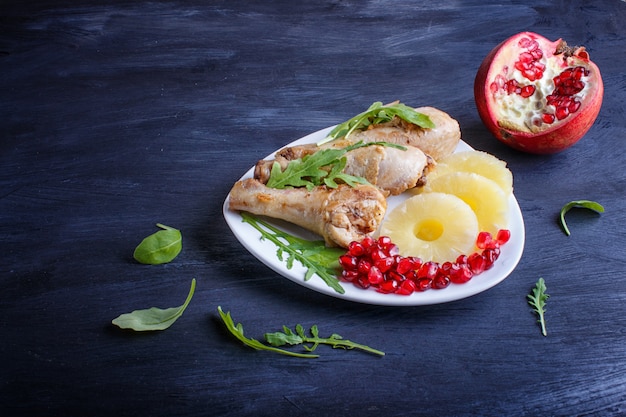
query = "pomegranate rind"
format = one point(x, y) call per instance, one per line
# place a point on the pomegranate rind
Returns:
point(558, 136)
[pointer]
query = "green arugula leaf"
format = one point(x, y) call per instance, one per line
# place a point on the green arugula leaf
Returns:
point(153, 318)
point(160, 247)
point(587, 204)
point(308, 171)
point(378, 113)
point(538, 300)
point(313, 255)
point(237, 331)
point(288, 337)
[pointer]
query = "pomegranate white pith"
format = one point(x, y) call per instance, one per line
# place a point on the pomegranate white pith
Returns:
point(536, 95)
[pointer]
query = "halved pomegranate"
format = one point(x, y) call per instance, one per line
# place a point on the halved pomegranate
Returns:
point(536, 95)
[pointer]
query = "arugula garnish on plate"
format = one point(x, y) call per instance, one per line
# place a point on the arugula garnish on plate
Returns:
point(309, 171)
point(315, 256)
point(378, 113)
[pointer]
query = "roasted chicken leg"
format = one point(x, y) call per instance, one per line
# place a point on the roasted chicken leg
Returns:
point(437, 142)
point(340, 215)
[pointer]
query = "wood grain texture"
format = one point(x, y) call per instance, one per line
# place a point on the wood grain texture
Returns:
point(118, 116)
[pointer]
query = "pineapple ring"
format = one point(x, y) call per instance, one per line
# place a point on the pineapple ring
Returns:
point(477, 162)
point(432, 226)
point(483, 195)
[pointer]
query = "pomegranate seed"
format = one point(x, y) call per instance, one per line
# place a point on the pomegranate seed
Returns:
point(388, 287)
point(385, 264)
point(405, 265)
point(477, 263)
point(375, 276)
point(561, 113)
point(503, 236)
point(377, 254)
point(348, 262)
point(527, 91)
point(367, 242)
point(490, 255)
point(356, 249)
point(462, 259)
point(384, 241)
point(395, 276)
point(460, 273)
point(349, 275)
point(547, 118)
point(440, 282)
point(364, 266)
point(537, 54)
point(428, 270)
point(362, 282)
point(407, 287)
point(525, 43)
point(484, 240)
point(423, 284)
point(574, 106)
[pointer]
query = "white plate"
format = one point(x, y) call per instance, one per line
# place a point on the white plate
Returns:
point(265, 251)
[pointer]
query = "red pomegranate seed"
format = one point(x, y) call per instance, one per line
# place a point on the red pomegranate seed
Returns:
point(388, 287)
point(395, 276)
point(407, 287)
point(484, 240)
point(348, 262)
point(527, 91)
point(364, 266)
point(490, 255)
point(460, 273)
point(548, 118)
point(349, 275)
point(375, 276)
point(356, 249)
point(404, 265)
point(440, 282)
point(428, 270)
point(477, 263)
point(385, 264)
point(503, 236)
point(423, 284)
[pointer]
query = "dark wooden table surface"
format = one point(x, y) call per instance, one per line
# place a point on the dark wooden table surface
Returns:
point(118, 116)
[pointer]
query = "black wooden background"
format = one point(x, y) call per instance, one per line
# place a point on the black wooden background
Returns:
point(118, 115)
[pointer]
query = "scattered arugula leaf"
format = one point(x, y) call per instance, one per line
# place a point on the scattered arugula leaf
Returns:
point(587, 204)
point(299, 337)
point(290, 338)
point(378, 113)
point(313, 255)
point(153, 318)
point(237, 331)
point(160, 247)
point(538, 300)
point(308, 171)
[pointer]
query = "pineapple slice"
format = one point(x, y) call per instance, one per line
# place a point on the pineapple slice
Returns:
point(432, 226)
point(483, 195)
point(478, 162)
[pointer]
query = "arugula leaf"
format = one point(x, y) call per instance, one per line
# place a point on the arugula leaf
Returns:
point(288, 337)
point(313, 255)
point(587, 204)
point(378, 113)
point(160, 247)
point(538, 300)
point(153, 318)
point(237, 331)
point(308, 171)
